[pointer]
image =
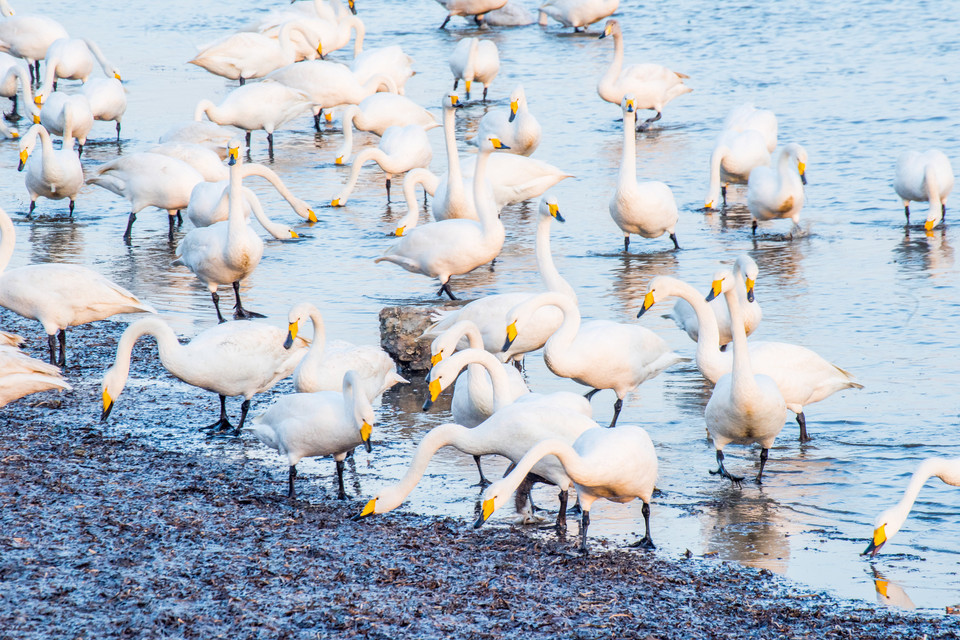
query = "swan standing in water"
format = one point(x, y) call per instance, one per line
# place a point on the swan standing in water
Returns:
point(265, 105)
point(475, 8)
point(245, 55)
point(326, 364)
point(21, 375)
point(647, 209)
point(229, 359)
point(617, 464)
point(802, 376)
point(51, 173)
point(225, 252)
point(744, 408)
point(14, 79)
point(199, 156)
point(29, 37)
point(777, 191)
point(148, 180)
point(518, 129)
point(74, 59)
point(745, 272)
point(325, 423)
point(400, 150)
point(58, 295)
point(600, 353)
point(578, 14)
point(390, 62)
point(54, 116)
point(652, 85)
point(489, 314)
point(889, 522)
point(454, 247)
point(475, 60)
point(749, 136)
point(376, 114)
point(924, 177)
point(107, 100)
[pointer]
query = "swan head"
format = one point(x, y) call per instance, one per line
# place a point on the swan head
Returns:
point(111, 388)
point(440, 377)
point(388, 499)
point(338, 202)
point(492, 143)
point(451, 101)
point(515, 98)
point(628, 104)
point(352, 6)
point(233, 152)
point(722, 283)
point(493, 498)
point(550, 207)
point(885, 527)
point(298, 313)
point(656, 291)
point(798, 155)
point(611, 28)
point(363, 416)
point(27, 143)
point(115, 73)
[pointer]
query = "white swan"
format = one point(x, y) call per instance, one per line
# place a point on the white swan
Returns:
point(489, 314)
point(207, 191)
point(400, 150)
point(454, 247)
point(475, 8)
point(53, 116)
point(329, 84)
point(924, 177)
point(617, 464)
point(577, 13)
point(745, 272)
point(331, 35)
point(148, 180)
point(107, 100)
point(58, 295)
point(206, 134)
point(517, 129)
point(326, 364)
point(322, 9)
point(889, 522)
point(21, 375)
point(600, 353)
point(390, 61)
point(647, 209)
point(512, 14)
point(474, 60)
point(73, 59)
point(749, 136)
point(229, 359)
point(14, 79)
point(242, 56)
point(225, 252)
point(209, 204)
point(802, 376)
point(29, 37)
point(326, 423)
point(652, 85)
point(51, 173)
point(745, 408)
point(376, 114)
point(265, 105)
point(777, 191)
point(510, 432)
point(201, 157)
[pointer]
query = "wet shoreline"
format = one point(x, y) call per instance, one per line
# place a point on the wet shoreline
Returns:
point(107, 534)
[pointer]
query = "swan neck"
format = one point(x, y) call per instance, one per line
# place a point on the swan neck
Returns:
point(436, 439)
point(628, 164)
point(568, 456)
point(101, 59)
point(716, 158)
point(479, 357)
point(319, 340)
point(204, 107)
point(564, 336)
point(168, 346)
point(255, 169)
point(376, 154)
point(613, 72)
point(8, 238)
point(454, 176)
point(235, 218)
point(549, 274)
point(741, 358)
point(482, 196)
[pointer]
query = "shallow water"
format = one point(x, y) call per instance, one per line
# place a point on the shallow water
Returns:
point(854, 83)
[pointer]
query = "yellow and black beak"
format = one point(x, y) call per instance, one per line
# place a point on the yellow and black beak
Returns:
point(352, 6)
point(511, 335)
point(117, 76)
point(233, 154)
point(715, 290)
point(486, 512)
point(605, 33)
point(497, 144)
point(879, 538)
point(368, 510)
point(23, 159)
point(107, 406)
point(630, 107)
point(555, 212)
point(434, 388)
point(335, 202)
point(293, 234)
point(435, 358)
point(802, 168)
point(455, 102)
point(648, 302)
point(399, 231)
point(365, 430)
point(291, 334)
point(514, 105)
point(311, 216)
point(750, 283)
point(320, 50)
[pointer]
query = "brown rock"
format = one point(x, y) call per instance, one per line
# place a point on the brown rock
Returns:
point(400, 331)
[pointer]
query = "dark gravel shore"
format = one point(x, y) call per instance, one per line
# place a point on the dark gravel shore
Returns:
point(104, 534)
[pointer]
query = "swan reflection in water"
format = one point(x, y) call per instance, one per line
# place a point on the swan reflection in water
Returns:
point(890, 594)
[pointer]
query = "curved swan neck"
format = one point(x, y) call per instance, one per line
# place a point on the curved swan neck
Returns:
point(613, 71)
point(932, 187)
point(414, 177)
point(346, 123)
point(375, 154)
point(168, 345)
point(108, 68)
point(373, 85)
point(716, 159)
point(436, 439)
point(498, 377)
point(709, 359)
point(319, 340)
point(568, 456)
point(563, 336)
point(548, 270)
point(204, 107)
point(352, 22)
point(254, 169)
point(470, 331)
point(8, 238)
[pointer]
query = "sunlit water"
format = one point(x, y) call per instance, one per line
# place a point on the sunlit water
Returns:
point(854, 82)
